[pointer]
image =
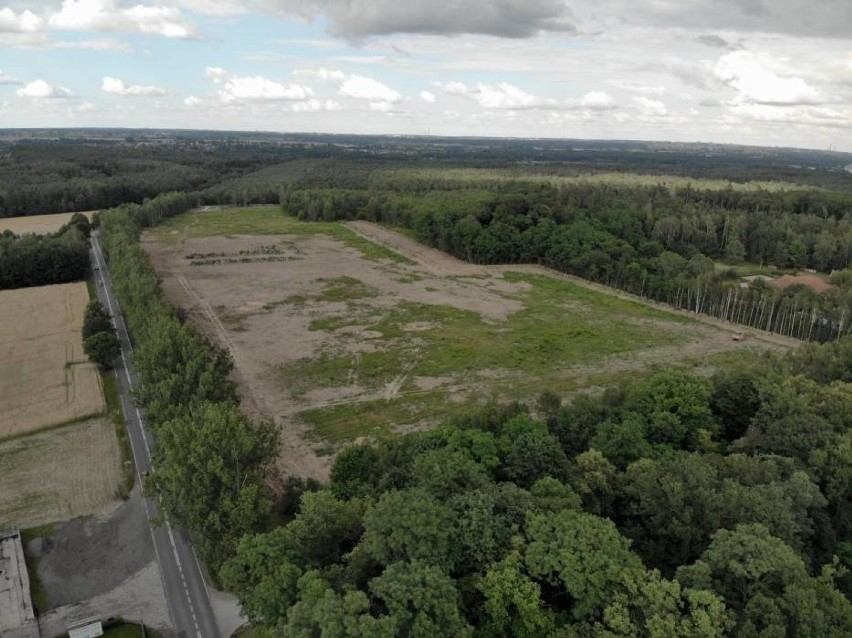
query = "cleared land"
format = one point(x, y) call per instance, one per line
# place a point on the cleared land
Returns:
point(341, 331)
point(59, 474)
point(45, 379)
point(37, 224)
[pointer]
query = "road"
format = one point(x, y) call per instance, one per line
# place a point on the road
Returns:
point(183, 580)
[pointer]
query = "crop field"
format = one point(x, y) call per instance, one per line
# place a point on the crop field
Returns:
point(45, 379)
point(340, 331)
point(37, 224)
point(59, 474)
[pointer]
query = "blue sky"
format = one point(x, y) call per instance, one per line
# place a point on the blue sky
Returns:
point(739, 71)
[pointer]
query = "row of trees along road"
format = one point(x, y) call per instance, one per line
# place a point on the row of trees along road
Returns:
point(210, 460)
point(649, 240)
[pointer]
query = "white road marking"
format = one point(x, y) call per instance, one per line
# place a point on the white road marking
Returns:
point(126, 369)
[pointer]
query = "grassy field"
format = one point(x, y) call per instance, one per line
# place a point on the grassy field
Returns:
point(262, 220)
point(560, 327)
point(59, 474)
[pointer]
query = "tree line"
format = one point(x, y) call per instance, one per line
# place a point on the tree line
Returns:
point(41, 260)
point(676, 505)
point(648, 240)
point(210, 461)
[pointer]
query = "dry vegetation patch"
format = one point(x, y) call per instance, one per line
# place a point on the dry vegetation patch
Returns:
point(337, 340)
point(45, 379)
point(37, 224)
point(59, 474)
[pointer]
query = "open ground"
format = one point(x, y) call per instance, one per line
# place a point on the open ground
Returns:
point(38, 224)
point(45, 378)
point(346, 330)
point(59, 474)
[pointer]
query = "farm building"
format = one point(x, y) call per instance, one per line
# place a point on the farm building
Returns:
point(811, 281)
point(17, 617)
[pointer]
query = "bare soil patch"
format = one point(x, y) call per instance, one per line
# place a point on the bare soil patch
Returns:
point(59, 474)
point(45, 378)
point(38, 224)
point(89, 557)
point(325, 337)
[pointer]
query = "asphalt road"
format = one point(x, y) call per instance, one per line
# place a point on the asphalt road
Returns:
point(183, 580)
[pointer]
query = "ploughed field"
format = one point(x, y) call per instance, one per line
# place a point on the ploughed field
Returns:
point(340, 331)
point(45, 378)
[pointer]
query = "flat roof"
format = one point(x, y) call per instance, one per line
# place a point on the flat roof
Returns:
point(17, 617)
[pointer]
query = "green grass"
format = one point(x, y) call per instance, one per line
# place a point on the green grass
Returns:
point(265, 221)
point(109, 383)
point(377, 418)
point(37, 592)
point(560, 325)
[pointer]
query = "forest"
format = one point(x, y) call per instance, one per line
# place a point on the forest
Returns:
point(55, 171)
point(40, 260)
point(651, 240)
point(675, 504)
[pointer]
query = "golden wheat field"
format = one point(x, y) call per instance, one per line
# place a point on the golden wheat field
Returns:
point(37, 224)
point(45, 379)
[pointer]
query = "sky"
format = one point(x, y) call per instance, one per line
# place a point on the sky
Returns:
point(763, 72)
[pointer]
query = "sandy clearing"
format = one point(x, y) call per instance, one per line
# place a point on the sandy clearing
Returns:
point(45, 378)
point(57, 475)
point(262, 312)
point(38, 224)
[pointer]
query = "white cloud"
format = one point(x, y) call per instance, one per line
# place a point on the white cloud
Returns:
point(114, 86)
point(104, 44)
point(5, 78)
point(254, 88)
point(105, 15)
point(506, 96)
point(214, 7)
point(24, 22)
point(642, 89)
point(500, 96)
point(217, 74)
point(193, 101)
point(335, 77)
point(39, 89)
point(597, 101)
point(753, 77)
point(315, 105)
point(649, 107)
point(364, 88)
point(453, 88)
point(427, 96)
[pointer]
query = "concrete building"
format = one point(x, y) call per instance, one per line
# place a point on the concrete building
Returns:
point(17, 616)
